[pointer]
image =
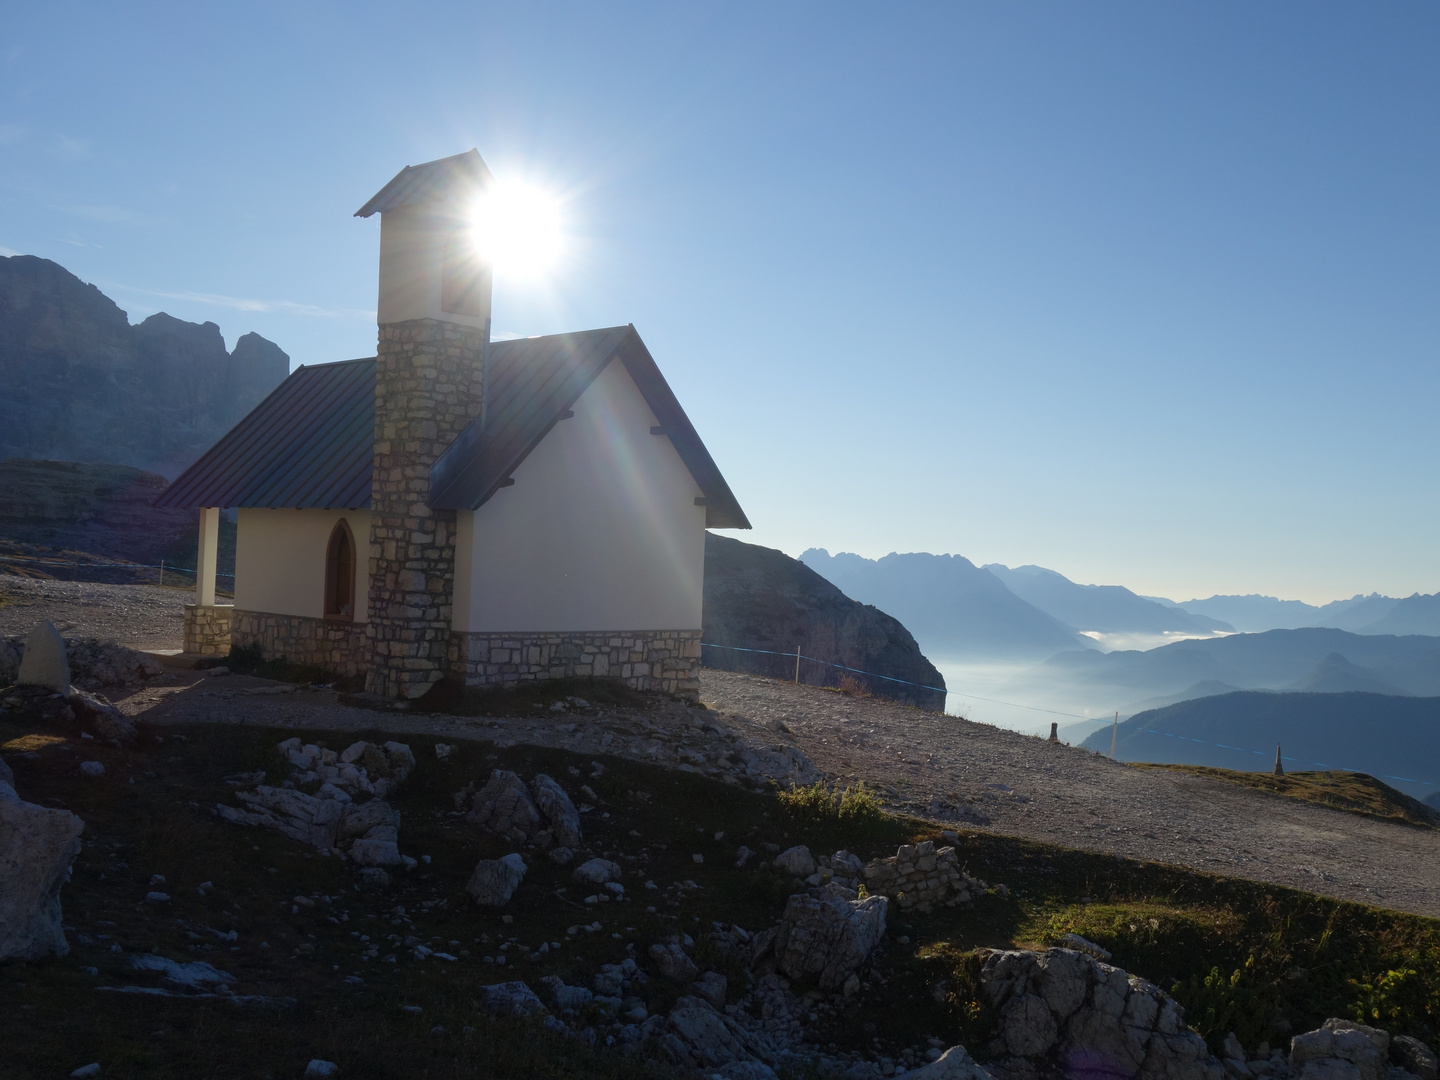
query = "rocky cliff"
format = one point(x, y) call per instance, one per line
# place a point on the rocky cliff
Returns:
point(758, 598)
point(82, 384)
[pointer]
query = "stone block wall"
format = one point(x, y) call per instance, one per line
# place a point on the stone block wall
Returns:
point(207, 629)
point(427, 388)
point(341, 647)
point(920, 876)
point(663, 660)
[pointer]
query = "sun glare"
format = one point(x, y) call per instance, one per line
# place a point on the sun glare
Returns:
point(519, 228)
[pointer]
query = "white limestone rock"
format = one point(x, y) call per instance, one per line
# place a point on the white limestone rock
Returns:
point(670, 962)
point(699, 1037)
point(1341, 1050)
point(94, 712)
point(494, 881)
point(45, 662)
point(566, 997)
point(559, 811)
point(504, 806)
point(37, 846)
point(510, 999)
point(954, 1064)
point(1058, 1005)
point(796, 860)
point(828, 938)
point(596, 872)
point(712, 986)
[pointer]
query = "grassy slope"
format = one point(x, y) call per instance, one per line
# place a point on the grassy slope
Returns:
point(1298, 956)
point(1359, 793)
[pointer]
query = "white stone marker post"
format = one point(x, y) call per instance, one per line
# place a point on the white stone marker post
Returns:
point(206, 556)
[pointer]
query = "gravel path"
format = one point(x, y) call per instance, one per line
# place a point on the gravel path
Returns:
point(937, 766)
point(1023, 785)
point(140, 616)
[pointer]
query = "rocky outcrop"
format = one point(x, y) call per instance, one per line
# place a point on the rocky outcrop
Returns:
point(82, 384)
point(826, 938)
point(367, 833)
point(758, 598)
point(37, 846)
point(505, 806)
point(1060, 1010)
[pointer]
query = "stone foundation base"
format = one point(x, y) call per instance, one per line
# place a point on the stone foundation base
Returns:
point(663, 660)
point(207, 629)
point(339, 647)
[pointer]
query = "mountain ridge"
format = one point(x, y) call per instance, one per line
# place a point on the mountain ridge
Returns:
point(84, 384)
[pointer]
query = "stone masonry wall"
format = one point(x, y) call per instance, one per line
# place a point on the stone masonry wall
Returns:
point(920, 876)
point(427, 388)
point(207, 629)
point(663, 660)
point(341, 647)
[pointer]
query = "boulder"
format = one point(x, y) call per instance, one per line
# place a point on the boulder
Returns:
point(712, 987)
point(367, 832)
point(510, 999)
point(1061, 1006)
point(559, 811)
point(1414, 1056)
point(495, 880)
point(670, 962)
point(566, 997)
point(37, 846)
point(504, 806)
point(828, 938)
point(796, 860)
point(954, 1064)
point(45, 662)
point(698, 1036)
point(94, 712)
point(1340, 1050)
point(596, 872)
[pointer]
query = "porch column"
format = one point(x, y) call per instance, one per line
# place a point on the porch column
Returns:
point(206, 557)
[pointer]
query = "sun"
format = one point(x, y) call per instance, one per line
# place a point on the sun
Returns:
point(519, 227)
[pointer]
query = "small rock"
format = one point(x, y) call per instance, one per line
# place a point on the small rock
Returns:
point(93, 1069)
point(92, 768)
point(796, 860)
point(443, 750)
point(559, 811)
point(318, 1069)
point(495, 880)
point(511, 999)
point(670, 962)
point(597, 871)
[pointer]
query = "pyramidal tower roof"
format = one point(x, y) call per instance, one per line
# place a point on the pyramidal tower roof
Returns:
point(441, 180)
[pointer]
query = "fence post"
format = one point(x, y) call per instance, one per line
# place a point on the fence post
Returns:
point(1113, 732)
point(797, 665)
point(162, 571)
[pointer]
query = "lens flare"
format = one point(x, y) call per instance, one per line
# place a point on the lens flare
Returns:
point(519, 229)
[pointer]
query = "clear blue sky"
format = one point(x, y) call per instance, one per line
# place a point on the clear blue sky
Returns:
point(1146, 293)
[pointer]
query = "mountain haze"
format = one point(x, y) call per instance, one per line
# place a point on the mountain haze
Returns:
point(1255, 614)
point(1111, 609)
point(954, 608)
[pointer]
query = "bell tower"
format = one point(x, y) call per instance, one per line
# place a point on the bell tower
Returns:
point(434, 316)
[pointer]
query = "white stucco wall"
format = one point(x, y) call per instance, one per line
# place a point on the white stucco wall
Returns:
point(599, 532)
point(412, 241)
point(280, 560)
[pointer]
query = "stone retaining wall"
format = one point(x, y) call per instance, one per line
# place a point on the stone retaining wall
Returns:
point(331, 644)
point(207, 629)
point(920, 876)
point(663, 660)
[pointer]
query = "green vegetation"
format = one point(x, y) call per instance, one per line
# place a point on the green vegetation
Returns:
point(1359, 793)
point(1240, 956)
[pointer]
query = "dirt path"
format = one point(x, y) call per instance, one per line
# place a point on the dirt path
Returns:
point(934, 765)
